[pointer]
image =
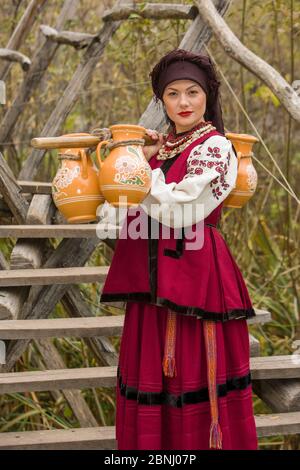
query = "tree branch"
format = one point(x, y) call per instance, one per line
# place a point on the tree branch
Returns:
point(15, 56)
point(235, 49)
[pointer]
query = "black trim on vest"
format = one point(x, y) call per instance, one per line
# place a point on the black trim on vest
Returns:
point(179, 245)
point(234, 314)
point(185, 398)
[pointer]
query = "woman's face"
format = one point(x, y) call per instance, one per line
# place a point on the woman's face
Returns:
point(184, 95)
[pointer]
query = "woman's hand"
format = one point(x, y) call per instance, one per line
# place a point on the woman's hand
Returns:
point(158, 141)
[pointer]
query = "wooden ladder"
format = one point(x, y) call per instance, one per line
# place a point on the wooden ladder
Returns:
point(275, 367)
point(280, 370)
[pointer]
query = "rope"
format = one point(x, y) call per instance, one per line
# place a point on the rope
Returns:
point(120, 143)
point(68, 156)
point(289, 189)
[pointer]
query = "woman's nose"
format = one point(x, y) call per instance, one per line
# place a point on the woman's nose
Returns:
point(183, 101)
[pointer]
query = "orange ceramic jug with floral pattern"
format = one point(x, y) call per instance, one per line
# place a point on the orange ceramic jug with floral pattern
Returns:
point(246, 181)
point(125, 175)
point(75, 188)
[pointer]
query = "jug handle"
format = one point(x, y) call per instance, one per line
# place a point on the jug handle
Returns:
point(84, 164)
point(239, 155)
point(98, 152)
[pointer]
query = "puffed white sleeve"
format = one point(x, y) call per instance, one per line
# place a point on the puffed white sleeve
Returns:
point(211, 176)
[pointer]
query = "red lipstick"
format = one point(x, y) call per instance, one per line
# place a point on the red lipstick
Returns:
point(185, 113)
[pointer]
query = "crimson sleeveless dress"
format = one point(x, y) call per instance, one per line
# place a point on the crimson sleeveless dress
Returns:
point(156, 412)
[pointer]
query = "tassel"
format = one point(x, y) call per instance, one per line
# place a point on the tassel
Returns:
point(215, 437)
point(168, 364)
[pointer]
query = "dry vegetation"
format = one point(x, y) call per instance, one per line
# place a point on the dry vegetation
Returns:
point(263, 236)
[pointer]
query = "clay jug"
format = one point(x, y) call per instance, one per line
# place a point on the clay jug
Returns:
point(75, 187)
point(125, 174)
point(247, 177)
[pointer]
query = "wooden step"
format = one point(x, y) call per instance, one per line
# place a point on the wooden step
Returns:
point(60, 327)
point(79, 327)
point(35, 187)
point(49, 276)
point(280, 423)
point(58, 379)
point(104, 437)
point(275, 367)
point(57, 439)
point(55, 231)
point(262, 316)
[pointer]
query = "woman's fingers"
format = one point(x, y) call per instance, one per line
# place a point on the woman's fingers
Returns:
point(152, 133)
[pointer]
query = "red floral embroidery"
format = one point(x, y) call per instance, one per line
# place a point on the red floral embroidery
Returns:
point(216, 192)
point(195, 167)
point(213, 152)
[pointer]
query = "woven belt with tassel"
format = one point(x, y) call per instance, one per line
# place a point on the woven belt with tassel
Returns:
point(169, 369)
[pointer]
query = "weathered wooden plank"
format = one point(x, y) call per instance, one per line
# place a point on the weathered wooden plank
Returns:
point(104, 437)
point(280, 395)
point(72, 439)
point(50, 276)
point(108, 325)
point(154, 11)
point(58, 379)
point(11, 301)
point(62, 327)
point(41, 210)
point(11, 192)
point(2, 92)
point(58, 327)
point(35, 187)
point(27, 254)
point(53, 231)
point(281, 423)
point(275, 367)
point(95, 376)
point(77, 40)
point(3, 263)
point(262, 316)
point(15, 56)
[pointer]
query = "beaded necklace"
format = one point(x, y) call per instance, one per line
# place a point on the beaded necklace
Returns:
point(176, 144)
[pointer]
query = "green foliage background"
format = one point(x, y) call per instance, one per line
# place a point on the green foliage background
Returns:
point(263, 236)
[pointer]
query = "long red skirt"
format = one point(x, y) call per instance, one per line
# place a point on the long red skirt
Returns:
point(155, 412)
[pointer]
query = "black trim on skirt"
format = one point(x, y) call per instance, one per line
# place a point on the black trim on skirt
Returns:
point(234, 314)
point(186, 398)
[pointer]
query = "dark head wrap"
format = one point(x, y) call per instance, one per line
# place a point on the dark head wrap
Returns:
point(181, 64)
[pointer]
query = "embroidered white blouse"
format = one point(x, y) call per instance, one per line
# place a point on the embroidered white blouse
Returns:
point(211, 176)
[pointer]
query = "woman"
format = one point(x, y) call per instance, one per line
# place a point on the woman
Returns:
point(183, 373)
